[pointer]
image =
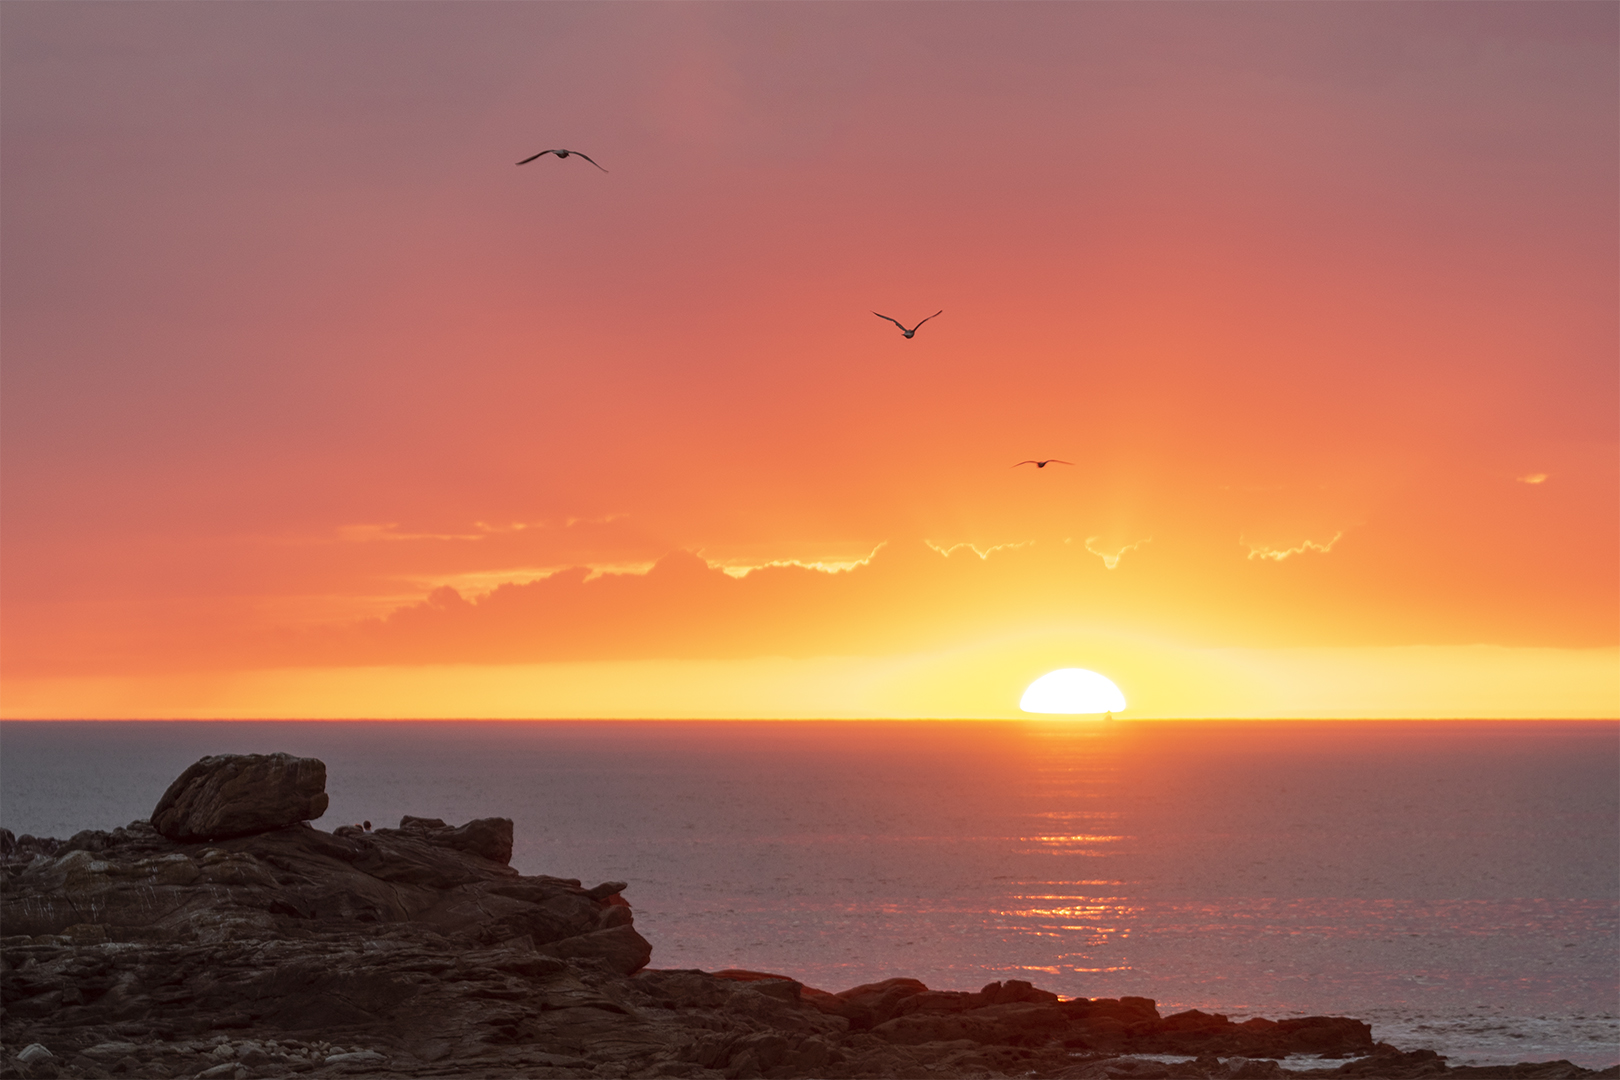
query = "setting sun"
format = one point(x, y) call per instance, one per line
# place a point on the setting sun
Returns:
point(1072, 691)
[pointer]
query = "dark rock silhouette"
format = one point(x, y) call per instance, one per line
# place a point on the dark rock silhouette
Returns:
point(241, 794)
point(418, 951)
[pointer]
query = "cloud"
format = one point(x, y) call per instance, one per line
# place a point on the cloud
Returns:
point(985, 554)
point(1532, 478)
point(481, 582)
point(478, 558)
point(1265, 551)
point(369, 532)
point(901, 596)
point(1111, 560)
point(742, 567)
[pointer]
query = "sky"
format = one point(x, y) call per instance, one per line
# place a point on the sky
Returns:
point(315, 404)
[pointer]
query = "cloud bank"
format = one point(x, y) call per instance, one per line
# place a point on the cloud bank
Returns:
point(904, 596)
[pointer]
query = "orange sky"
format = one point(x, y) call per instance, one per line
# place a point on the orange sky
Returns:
point(314, 404)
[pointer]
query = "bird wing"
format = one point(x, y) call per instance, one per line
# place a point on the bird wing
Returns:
point(587, 157)
point(896, 322)
point(542, 154)
point(1029, 462)
point(1058, 461)
point(936, 314)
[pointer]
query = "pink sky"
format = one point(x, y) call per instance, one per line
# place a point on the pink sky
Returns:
point(290, 343)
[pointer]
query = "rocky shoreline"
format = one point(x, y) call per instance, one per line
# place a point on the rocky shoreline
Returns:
point(226, 937)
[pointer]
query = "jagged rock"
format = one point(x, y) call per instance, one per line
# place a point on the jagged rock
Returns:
point(871, 1004)
point(299, 879)
point(488, 837)
point(619, 947)
point(607, 890)
point(356, 1057)
point(25, 847)
point(229, 795)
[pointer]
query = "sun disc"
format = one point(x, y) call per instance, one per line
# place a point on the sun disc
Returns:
point(1072, 691)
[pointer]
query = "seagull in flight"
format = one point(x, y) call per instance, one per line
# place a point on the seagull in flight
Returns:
point(560, 154)
point(909, 333)
point(1044, 464)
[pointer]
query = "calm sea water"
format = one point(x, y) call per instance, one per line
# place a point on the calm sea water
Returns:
point(1455, 884)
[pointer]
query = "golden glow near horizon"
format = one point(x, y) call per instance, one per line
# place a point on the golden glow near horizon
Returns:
point(983, 682)
point(1329, 341)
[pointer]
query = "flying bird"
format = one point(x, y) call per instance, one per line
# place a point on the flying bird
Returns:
point(909, 333)
point(560, 154)
point(1044, 464)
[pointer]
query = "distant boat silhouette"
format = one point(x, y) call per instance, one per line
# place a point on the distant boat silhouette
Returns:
point(560, 154)
point(1044, 464)
point(913, 331)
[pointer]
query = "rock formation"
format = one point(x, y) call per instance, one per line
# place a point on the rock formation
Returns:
point(213, 948)
point(241, 794)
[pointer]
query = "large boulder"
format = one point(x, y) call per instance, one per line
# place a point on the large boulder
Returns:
point(228, 795)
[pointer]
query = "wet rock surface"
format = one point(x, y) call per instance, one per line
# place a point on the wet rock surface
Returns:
point(418, 951)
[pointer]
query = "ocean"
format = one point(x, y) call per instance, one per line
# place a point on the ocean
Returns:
point(1456, 884)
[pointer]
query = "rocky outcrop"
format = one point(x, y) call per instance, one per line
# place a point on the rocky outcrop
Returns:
point(489, 837)
point(241, 794)
point(904, 1012)
point(418, 951)
point(133, 885)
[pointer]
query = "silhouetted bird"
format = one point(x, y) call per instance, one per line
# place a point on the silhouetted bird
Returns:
point(910, 333)
point(1044, 464)
point(560, 154)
